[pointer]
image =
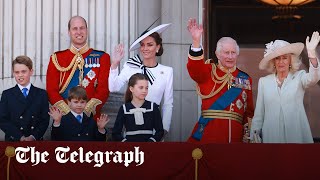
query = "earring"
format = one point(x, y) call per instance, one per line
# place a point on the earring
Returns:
point(157, 50)
point(289, 66)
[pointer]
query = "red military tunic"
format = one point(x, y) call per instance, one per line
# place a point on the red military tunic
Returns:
point(63, 66)
point(210, 79)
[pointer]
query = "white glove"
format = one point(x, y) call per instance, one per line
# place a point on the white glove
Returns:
point(312, 44)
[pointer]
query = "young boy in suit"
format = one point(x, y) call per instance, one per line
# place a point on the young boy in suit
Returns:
point(23, 108)
point(76, 125)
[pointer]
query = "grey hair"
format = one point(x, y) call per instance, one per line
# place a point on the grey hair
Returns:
point(295, 64)
point(224, 40)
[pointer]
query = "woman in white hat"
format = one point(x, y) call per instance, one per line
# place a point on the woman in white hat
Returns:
point(160, 77)
point(280, 116)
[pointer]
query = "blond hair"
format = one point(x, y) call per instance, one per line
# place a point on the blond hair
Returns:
point(294, 64)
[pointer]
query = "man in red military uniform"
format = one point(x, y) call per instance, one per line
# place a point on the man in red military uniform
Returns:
point(224, 89)
point(78, 66)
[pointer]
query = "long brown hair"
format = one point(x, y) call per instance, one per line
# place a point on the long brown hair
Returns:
point(132, 81)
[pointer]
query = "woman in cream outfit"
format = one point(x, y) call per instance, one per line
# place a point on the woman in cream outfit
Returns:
point(280, 116)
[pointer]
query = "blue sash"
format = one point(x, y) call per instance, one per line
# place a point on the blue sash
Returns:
point(75, 79)
point(220, 104)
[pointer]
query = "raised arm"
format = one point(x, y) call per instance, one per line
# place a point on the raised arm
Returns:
point(198, 70)
point(116, 80)
point(311, 78)
point(195, 31)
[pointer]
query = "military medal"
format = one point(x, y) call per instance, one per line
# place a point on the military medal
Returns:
point(98, 63)
point(85, 83)
point(91, 74)
point(239, 104)
point(86, 65)
point(90, 62)
point(244, 96)
point(241, 83)
point(248, 84)
point(95, 63)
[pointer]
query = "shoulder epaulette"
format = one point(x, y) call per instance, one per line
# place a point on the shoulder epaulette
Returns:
point(209, 61)
point(243, 72)
point(100, 51)
point(62, 51)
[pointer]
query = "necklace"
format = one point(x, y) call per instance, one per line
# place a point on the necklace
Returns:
point(279, 82)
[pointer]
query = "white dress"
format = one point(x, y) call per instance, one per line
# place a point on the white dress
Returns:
point(161, 87)
point(280, 112)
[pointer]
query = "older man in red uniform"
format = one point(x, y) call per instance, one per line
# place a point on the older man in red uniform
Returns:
point(224, 89)
point(78, 66)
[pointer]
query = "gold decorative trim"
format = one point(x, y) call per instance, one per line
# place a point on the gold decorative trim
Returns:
point(9, 152)
point(197, 155)
point(63, 107)
point(91, 106)
point(76, 62)
point(195, 57)
point(57, 65)
point(222, 114)
point(208, 61)
point(82, 50)
point(223, 80)
point(226, 70)
point(65, 85)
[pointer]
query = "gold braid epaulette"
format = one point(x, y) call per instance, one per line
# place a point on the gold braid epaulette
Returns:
point(60, 68)
point(223, 80)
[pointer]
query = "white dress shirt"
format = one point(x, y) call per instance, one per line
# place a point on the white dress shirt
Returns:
point(28, 87)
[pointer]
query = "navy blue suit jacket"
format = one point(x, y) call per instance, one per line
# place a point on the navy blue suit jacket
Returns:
point(71, 130)
point(24, 116)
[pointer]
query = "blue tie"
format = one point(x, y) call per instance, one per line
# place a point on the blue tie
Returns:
point(24, 92)
point(79, 118)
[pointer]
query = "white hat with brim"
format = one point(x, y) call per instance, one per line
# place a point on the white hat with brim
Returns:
point(159, 29)
point(279, 48)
